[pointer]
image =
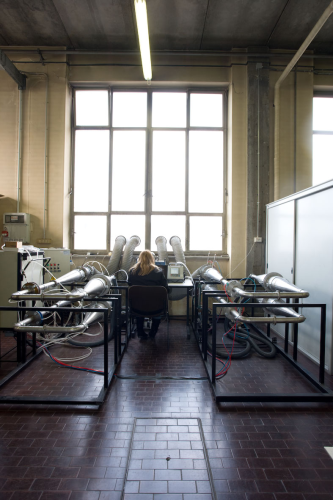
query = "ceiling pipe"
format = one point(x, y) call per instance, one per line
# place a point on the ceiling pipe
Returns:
point(315, 30)
point(181, 53)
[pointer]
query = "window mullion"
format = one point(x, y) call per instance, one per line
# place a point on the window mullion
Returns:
point(149, 174)
point(108, 218)
point(225, 160)
point(72, 172)
point(187, 228)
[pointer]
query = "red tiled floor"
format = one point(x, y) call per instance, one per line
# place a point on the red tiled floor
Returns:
point(256, 451)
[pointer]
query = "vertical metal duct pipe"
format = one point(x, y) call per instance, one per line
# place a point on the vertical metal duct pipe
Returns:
point(46, 152)
point(113, 264)
point(177, 248)
point(161, 244)
point(46, 147)
point(19, 152)
point(126, 263)
point(315, 30)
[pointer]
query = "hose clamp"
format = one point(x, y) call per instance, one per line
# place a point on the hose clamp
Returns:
point(41, 317)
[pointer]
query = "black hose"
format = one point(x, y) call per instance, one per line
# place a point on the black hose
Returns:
point(248, 340)
point(236, 354)
point(251, 337)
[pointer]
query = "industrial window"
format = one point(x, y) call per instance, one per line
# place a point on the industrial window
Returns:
point(322, 165)
point(148, 163)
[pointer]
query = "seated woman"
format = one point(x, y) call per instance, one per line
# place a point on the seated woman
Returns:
point(145, 273)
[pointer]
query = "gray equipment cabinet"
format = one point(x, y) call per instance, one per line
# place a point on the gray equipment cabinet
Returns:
point(16, 268)
point(300, 247)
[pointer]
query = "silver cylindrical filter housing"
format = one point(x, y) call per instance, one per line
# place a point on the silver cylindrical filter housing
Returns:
point(177, 248)
point(113, 264)
point(161, 244)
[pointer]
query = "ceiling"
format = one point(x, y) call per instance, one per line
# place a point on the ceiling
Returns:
point(174, 25)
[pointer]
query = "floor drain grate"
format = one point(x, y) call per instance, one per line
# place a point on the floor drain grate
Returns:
point(168, 456)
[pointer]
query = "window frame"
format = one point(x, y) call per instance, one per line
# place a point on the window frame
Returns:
point(320, 93)
point(148, 212)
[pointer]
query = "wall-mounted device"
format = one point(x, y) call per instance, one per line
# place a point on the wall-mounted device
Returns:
point(176, 273)
point(16, 227)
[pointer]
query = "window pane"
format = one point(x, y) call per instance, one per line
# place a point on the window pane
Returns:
point(128, 170)
point(169, 109)
point(129, 109)
point(91, 171)
point(323, 113)
point(167, 226)
point(90, 232)
point(322, 158)
point(92, 107)
point(206, 233)
point(128, 225)
point(206, 172)
point(168, 171)
point(206, 110)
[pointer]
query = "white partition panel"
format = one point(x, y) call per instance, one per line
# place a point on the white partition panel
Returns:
point(280, 240)
point(306, 239)
point(280, 244)
point(314, 268)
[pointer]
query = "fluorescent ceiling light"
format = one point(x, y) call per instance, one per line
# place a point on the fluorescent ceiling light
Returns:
point(142, 24)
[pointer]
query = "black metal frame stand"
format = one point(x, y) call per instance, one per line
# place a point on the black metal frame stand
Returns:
point(325, 395)
point(189, 289)
point(119, 349)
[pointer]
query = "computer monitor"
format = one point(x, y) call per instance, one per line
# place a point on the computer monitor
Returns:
point(164, 267)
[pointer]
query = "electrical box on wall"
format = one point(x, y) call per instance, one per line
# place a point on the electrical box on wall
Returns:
point(16, 227)
point(59, 263)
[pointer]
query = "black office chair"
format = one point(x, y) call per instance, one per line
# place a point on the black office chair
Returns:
point(149, 302)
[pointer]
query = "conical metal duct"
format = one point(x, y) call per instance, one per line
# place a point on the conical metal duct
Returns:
point(278, 309)
point(275, 282)
point(95, 317)
point(98, 286)
point(208, 273)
